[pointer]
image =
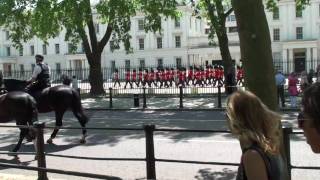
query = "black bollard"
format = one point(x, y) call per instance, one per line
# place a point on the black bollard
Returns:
point(42, 175)
point(181, 97)
point(110, 98)
point(144, 98)
point(150, 159)
point(286, 142)
point(219, 97)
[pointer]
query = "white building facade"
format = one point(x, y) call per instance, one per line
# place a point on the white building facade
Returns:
point(295, 43)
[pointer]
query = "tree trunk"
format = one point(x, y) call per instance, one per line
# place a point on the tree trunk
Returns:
point(95, 76)
point(256, 54)
point(226, 58)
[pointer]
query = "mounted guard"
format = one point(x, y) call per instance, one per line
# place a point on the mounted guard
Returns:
point(40, 77)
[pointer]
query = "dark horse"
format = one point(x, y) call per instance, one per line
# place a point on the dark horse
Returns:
point(58, 99)
point(21, 107)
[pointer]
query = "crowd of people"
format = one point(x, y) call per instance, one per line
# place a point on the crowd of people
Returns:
point(171, 77)
point(297, 83)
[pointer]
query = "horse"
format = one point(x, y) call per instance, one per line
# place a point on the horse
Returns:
point(21, 107)
point(58, 99)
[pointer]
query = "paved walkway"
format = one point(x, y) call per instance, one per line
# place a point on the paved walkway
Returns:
point(160, 102)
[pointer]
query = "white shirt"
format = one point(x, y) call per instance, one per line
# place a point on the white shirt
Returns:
point(75, 83)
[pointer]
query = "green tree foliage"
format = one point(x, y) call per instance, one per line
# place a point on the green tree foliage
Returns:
point(216, 12)
point(45, 19)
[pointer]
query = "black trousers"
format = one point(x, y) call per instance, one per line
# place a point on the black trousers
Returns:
point(280, 95)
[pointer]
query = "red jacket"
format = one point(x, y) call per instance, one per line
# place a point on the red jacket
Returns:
point(127, 76)
point(134, 76)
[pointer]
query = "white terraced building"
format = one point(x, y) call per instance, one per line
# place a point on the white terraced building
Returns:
point(294, 34)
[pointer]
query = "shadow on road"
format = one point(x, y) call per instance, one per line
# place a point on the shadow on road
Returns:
point(206, 174)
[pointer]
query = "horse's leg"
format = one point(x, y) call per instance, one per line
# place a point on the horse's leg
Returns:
point(23, 133)
point(82, 118)
point(59, 115)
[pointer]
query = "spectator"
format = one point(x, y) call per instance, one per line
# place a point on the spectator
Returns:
point(318, 73)
point(310, 76)
point(230, 82)
point(280, 81)
point(304, 83)
point(75, 82)
point(309, 118)
point(293, 89)
point(257, 129)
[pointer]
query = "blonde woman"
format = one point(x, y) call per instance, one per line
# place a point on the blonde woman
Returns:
point(257, 129)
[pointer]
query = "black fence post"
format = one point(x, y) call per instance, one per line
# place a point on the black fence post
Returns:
point(110, 98)
point(144, 96)
point(150, 159)
point(42, 175)
point(181, 97)
point(219, 97)
point(286, 142)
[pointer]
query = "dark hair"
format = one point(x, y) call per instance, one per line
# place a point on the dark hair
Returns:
point(311, 104)
point(39, 57)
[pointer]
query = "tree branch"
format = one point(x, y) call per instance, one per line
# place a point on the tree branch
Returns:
point(105, 38)
point(228, 12)
point(92, 34)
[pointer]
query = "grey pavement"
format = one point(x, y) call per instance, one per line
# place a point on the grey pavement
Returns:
point(168, 145)
point(205, 102)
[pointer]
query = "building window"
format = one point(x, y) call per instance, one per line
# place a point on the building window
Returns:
point(276, 13)
point(299, 32)
point(159, 42)
point(298, 12)
point(207, 31)
point(160, 63)
point(127, 64)
point(232, 17)
point(277, 63)
point(32, 50)
point(178, 62)
point(97, 28)
point(70, 48)
point(7, 69)
point(233, 29)
point(140, 24)
point(276, 34)
point(142, 63)
point(44, 49)
point(8, 51)
point(82, 48)
point(58, 68)
point(178, 41)
point(141, 44)
point(21, 69)
point(113, 66)
point(57, 48)
point(20, 51)
point(7, 35)
point(114, 46)
point(177, 23)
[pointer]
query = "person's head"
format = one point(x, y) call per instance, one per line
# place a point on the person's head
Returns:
point(309, 119)
point(39, 58)
point(252, 121)
point(74, 77)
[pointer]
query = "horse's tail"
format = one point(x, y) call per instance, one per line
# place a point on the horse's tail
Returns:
point(77, 108)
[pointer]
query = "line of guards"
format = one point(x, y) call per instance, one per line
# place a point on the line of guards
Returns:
point(168, 77)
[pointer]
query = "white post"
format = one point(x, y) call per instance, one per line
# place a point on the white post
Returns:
point(291, 61)
point(308, 59)
point(284, 61)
